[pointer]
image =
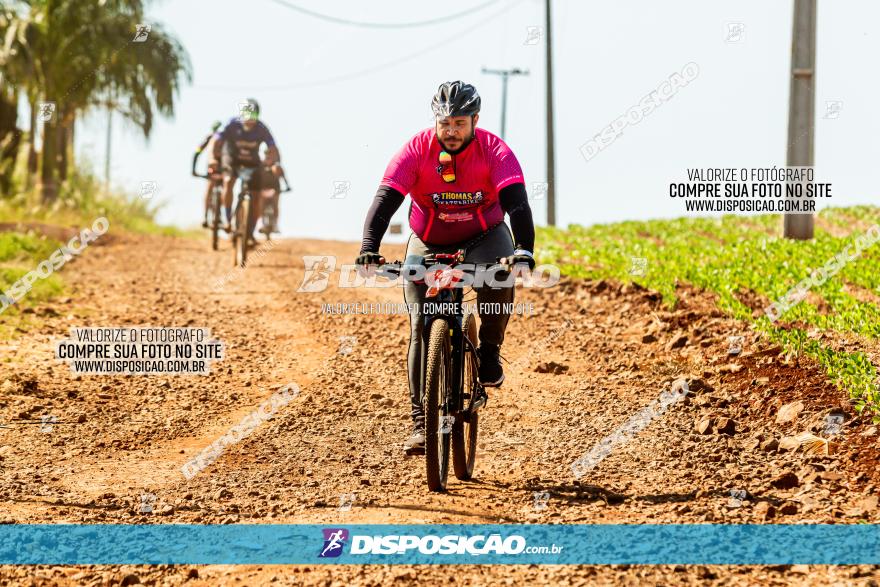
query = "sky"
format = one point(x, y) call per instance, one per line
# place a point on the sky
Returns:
point(341, 100)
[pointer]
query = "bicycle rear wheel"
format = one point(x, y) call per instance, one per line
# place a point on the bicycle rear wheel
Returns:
point(438, 424)
point(267, 223)
point(464, 431)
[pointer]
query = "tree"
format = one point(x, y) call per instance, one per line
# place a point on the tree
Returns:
point(77, 54)
point(10, 137)
point(11, 70)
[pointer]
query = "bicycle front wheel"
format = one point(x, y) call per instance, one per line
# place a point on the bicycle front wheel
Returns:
point(241, 231)
point(438, 420)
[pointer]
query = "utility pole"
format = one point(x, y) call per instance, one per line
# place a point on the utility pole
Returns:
point(802, 106)
point(505, 75)
point(551, 157)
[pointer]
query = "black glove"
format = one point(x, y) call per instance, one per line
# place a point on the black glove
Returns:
point(521, 257)
point(368, 259)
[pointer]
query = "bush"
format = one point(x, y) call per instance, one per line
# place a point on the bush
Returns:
point(81, 199)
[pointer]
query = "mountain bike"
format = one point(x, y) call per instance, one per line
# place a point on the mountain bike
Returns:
point(242, 219)
point(214, 205)
point(451, 392)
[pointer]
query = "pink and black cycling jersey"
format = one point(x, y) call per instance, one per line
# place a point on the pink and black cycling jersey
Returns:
point(445, 213)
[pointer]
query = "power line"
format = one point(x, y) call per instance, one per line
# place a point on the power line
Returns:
point(357, 74)
point(382, 25)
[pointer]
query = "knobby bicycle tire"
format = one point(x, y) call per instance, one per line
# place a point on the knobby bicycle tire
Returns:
point(464, 432)
point(438, 370)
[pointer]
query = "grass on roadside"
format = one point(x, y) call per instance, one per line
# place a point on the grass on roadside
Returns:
point(19, 254)
point(741, 257)
point(81, 201)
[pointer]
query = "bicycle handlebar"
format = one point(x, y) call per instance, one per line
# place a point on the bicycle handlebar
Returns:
point(287, 187)
point(395, 268)
point(208, 175)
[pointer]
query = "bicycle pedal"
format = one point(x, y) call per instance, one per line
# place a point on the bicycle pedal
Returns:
point(479, 401)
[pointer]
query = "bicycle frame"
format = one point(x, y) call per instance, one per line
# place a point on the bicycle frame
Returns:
point(244, 176)
point(243, 227)
point(461, 344)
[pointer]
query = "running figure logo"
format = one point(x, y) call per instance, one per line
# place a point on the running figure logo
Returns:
point(142, 31)
point(46, 111)
point(334, 541)
point(317, 275)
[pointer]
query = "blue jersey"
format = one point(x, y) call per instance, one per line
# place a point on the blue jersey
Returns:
point(245, 144)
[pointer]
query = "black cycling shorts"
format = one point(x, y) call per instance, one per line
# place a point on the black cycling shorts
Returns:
point(256, 175)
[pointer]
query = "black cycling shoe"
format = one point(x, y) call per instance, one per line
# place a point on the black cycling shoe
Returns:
point(205, 224)
point(415, 444)
point(490, 372)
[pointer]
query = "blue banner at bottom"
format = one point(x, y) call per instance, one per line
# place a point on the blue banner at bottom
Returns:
point(580, 544)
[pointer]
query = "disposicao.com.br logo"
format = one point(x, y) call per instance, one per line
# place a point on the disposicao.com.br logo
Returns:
point(450, 544)
point(334, 542)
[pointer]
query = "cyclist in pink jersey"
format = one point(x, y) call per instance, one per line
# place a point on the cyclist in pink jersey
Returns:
point(461, 180)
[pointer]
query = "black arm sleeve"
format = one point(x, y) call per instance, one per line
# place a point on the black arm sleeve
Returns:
point(204, 143)
point(385, 204)
point(199, 150)
point(515, 202)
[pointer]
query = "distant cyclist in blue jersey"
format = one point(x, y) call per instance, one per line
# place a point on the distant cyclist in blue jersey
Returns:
point(237, 145)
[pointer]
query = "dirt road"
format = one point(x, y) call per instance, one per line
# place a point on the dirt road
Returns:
point(569, 384)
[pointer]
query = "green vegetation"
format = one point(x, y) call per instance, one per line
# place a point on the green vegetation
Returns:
point(19, 254)
point(43, 290)
point(17, 247)
point(78, 57)
point(82, 199)
point(739, 258)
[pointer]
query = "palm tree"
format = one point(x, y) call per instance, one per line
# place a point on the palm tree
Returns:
point(10, 137)
point(12, 71)
point(78, 53)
